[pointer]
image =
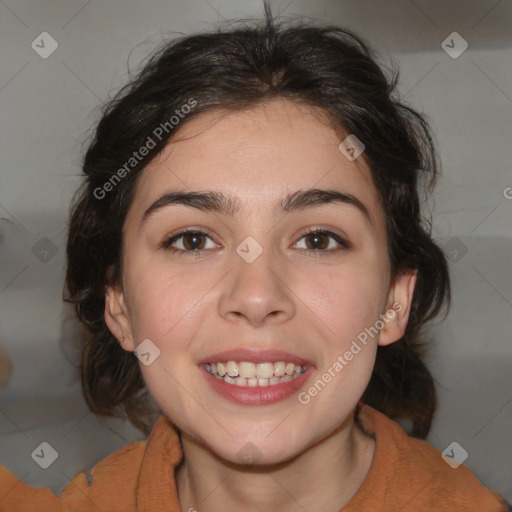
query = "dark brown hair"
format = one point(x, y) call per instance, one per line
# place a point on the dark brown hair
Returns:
point(327, 67)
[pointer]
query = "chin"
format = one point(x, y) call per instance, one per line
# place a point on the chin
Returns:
point(255, 451)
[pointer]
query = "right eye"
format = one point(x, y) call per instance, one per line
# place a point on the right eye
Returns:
point(191, 241)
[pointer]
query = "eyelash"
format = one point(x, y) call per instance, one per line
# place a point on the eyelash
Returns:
point(166, 244)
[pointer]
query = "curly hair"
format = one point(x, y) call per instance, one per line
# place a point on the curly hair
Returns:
point(327, 67)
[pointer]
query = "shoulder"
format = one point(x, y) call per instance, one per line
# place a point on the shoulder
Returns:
point(412, 474)
point(111, 482)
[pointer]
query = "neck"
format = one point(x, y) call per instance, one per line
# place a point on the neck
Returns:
point(323, 478)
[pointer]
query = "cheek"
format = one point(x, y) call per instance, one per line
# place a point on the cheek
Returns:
point(346, 301)
point(347, 306)
point(166, 307)
point(165, 303)
point(351, 298)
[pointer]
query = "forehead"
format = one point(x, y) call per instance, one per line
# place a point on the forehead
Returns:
point(257, 155)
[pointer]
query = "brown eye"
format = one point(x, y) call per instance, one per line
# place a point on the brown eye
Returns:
point(190, 241)
point(320, 240)
point(193, 240)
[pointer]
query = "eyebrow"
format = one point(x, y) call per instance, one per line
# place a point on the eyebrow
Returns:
point(213, 201)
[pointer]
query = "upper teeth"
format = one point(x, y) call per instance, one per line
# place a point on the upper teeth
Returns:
point(250, 370)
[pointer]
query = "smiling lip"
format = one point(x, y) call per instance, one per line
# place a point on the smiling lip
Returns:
point(255, 356)
point(258, 395)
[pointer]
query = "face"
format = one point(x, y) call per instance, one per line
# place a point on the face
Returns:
point(274, 283)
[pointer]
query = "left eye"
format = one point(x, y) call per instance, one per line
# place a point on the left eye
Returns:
point(325, 235)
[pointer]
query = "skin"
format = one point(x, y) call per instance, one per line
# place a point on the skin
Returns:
point(310, 304)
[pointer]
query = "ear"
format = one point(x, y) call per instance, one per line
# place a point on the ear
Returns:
point(117, 317)
point(396, 315)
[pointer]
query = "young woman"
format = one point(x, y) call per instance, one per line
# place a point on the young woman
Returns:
point(248, 248)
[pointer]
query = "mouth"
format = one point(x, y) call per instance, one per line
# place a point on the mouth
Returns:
point(255, 378)
point(247, 373)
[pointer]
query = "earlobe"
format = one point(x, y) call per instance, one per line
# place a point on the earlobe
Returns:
point(117, 318)
point(396, 316)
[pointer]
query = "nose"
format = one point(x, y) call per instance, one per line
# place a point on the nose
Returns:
point(258, 292)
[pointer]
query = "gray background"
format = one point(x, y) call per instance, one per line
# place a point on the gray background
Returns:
point(48, 107)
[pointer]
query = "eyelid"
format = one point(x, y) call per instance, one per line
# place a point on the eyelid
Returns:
point(187, 229)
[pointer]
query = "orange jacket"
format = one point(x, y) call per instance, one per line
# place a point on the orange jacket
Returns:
point(407, 475)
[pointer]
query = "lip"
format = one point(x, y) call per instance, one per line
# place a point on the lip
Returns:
point(255, 356)
point(258, 395)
